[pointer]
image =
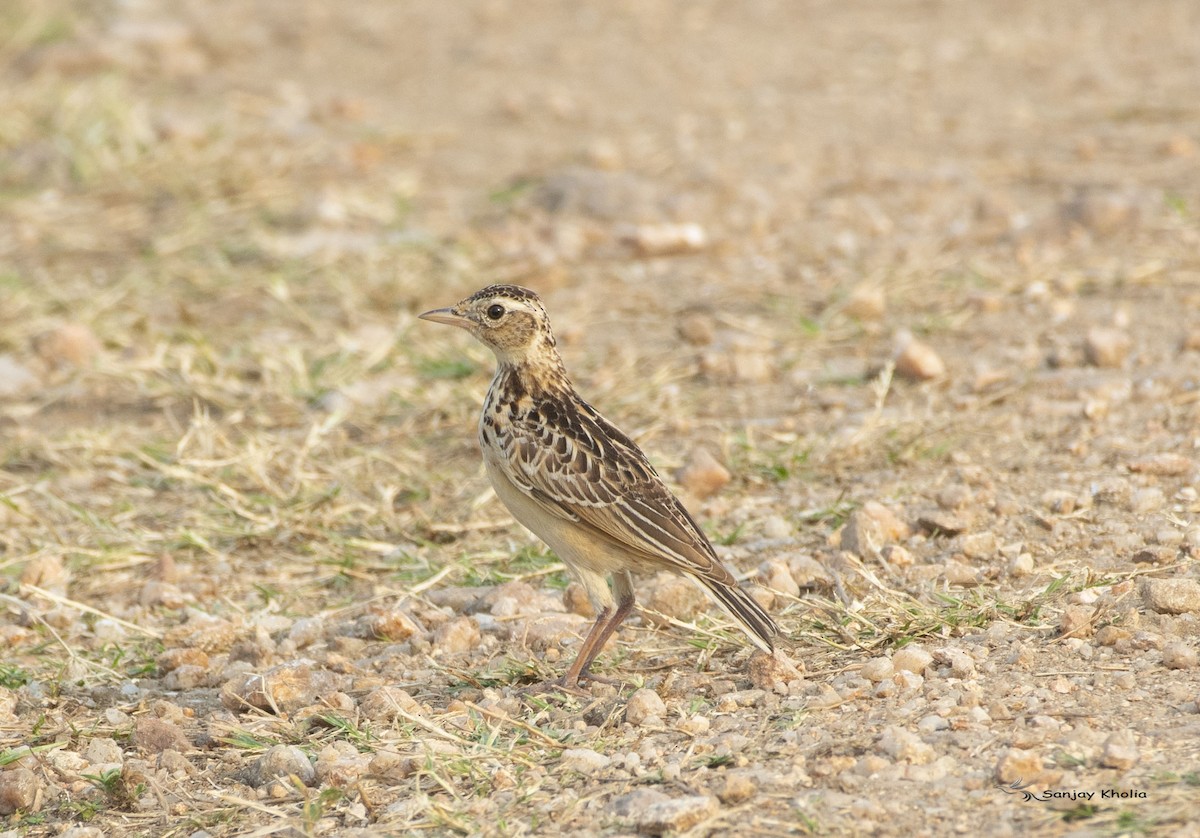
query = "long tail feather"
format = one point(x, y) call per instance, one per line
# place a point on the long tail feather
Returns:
point(750, 616)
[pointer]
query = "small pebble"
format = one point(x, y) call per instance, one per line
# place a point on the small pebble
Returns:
point(1106, 347)
point(79, 831)
point(942, 524)
point(878, 669)
point(919, 361)
point(282, 761)
point(306, 631)
point(393, 624)
point(932, 723)
point(72, 344)
point(979, 546)
point(107, 630)
point(736, 788)
point(394, 766)
point(868, 529)
point(103, 751)
point(1164, 465)
point(963, 575)
point(340, 764)
point(1120, 751)
point(777, 575)
point(772, 672)
point(1149, 499)
point(18, 790)
point(47, 572)
point(826, 696)
point(517, 598)
point(583, 760)
point(1111, 635)
point(202, 631)
point(697, 329)
point(1145, 640)
point(188, 677)
point(902, 744)
point(962, 665)
point(954, 496)
point(287, 687)
point(645, 707)
point(172, 659)
point(458, 635)
point(1168, 536)
point(1114, 491)
point(810, 573)
point(576, 601)
point(885, 689)
point(1059, 501)
point(676, 815)
point(635, 802)
point(664, 239)
point(1179, 145)
point(1101, 213)
point(1172, 596)
point(1018, 764)
point(1076, 621)
point(776, 527)
point(866, 302)
point(897, 556)
point(702, 475)
point(669, 593)
point(156, 735)
point(385, 704)
point(1179, 655)
point(1022, 565)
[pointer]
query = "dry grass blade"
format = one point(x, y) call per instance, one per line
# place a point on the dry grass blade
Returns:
point(88, 609)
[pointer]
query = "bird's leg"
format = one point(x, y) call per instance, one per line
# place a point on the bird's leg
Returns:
point(586, 654)
point(592, 644)
point(606, 623)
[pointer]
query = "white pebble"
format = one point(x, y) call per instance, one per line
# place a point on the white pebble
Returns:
point(932, 723)
point(645, 707)
point(583, 760)
point(878, 669)
point(912, 658)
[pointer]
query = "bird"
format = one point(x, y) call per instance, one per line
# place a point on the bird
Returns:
point(579, 483)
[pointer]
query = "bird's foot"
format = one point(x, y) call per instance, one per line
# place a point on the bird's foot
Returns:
point(555, 685)
point(574, 687)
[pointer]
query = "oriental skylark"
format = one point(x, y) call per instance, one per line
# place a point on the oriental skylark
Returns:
point(579, 483)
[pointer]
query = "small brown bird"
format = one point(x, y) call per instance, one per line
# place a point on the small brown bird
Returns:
point(577, 482)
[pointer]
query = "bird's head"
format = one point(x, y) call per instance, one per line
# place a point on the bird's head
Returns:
point(508, 319)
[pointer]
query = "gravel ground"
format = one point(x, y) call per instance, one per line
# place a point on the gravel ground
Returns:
point(902, 296)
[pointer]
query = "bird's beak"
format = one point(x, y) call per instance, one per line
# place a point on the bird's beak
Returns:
point(447, 316)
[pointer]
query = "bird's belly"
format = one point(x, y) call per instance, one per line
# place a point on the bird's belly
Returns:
point(576, 545)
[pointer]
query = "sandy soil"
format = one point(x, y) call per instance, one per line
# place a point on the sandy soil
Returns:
point(922, 277)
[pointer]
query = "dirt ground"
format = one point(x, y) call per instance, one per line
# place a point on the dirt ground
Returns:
point(922, 277)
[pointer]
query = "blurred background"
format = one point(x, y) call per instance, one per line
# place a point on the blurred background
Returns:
point(855, 251)
point(237, 206)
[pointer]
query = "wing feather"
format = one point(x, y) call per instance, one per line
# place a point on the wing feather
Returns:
point(609, 486)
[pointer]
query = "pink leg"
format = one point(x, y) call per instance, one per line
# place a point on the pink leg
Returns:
point(606, 623)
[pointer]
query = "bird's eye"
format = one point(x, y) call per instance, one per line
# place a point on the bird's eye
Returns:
point(496, 311)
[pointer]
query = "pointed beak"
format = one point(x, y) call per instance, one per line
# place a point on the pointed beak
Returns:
point(447, 316)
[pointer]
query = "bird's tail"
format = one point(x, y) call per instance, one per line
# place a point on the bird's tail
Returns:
point(750, 616)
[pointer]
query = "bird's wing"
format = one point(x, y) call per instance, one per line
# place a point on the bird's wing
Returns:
point(579, 466)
